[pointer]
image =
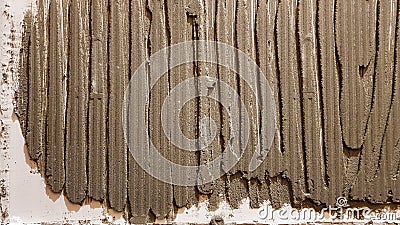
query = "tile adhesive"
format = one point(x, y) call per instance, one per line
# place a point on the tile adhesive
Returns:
point(333, 67)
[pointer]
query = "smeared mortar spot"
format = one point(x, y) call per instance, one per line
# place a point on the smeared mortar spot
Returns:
point(217, 220)
point(52, 196)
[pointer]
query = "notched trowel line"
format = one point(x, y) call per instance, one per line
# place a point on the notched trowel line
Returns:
point(332, 66)
point(118, 74)
point(77, 102)
point(98, 101)
point(56, 95)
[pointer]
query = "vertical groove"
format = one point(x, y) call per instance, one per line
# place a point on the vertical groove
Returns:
point(107, 128)
point(278, 72)
point(300, 88)
point(320, 94)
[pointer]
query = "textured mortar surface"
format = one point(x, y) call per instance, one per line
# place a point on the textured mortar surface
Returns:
point(333, 67)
